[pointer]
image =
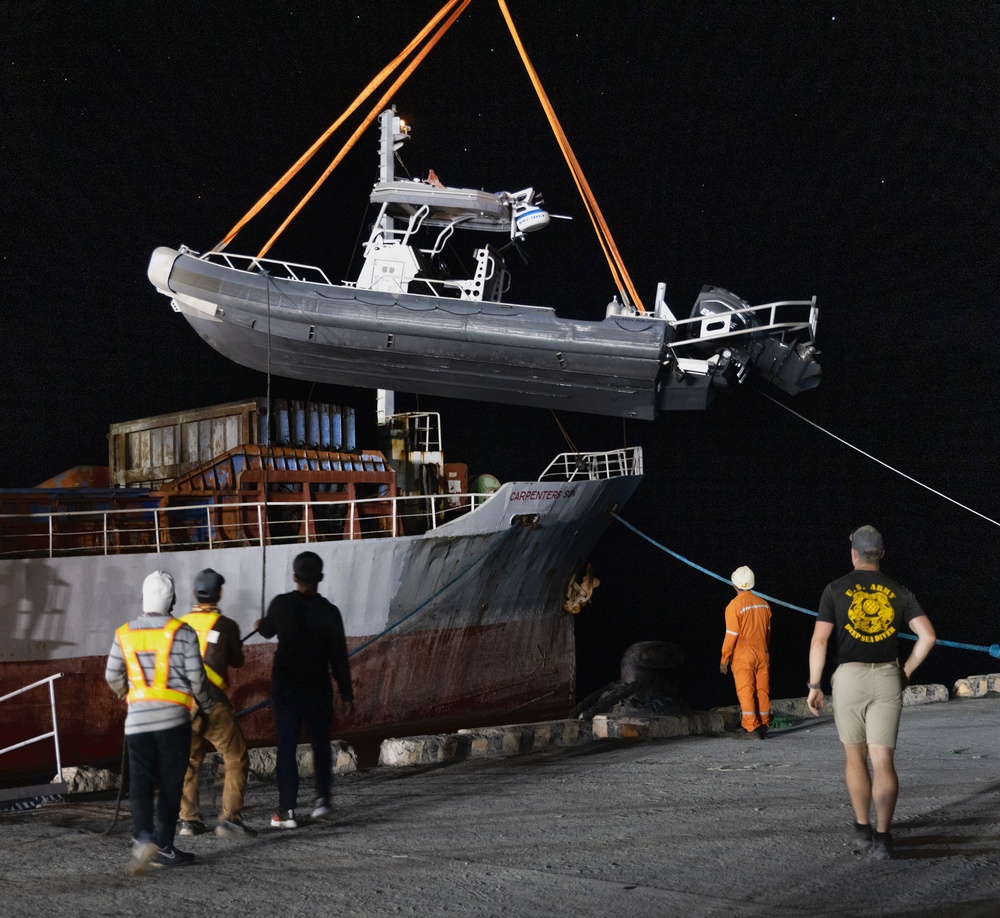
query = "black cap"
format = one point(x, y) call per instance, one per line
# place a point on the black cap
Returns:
point(308, 567)
point(208, 585)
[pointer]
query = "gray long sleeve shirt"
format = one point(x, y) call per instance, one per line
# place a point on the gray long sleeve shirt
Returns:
point(187, 674)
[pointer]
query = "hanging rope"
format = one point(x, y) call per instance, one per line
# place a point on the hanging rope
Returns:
point(993, 650)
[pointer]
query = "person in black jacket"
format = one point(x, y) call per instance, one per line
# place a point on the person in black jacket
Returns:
point(311, 647)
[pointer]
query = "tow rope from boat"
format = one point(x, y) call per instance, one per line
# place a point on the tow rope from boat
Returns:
point(993, 649)
point(880, 462)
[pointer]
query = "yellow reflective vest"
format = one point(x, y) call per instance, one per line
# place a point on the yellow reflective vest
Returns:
point(203, 623)
point(151, 640)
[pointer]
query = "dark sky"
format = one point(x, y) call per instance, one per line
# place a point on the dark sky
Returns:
point(781, 150)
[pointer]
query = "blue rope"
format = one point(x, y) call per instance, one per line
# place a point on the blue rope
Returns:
point(468, 567)
point(993, 650)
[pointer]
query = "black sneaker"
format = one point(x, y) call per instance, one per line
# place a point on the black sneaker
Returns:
point(191, 827)
point(322, 808)
point(862, 835)
point(169, 856)
point(882, 846)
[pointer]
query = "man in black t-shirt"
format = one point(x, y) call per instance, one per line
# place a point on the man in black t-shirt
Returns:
point(311, 647)
point(867, 608)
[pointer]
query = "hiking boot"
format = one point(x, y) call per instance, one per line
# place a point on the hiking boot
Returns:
point(882, 846)
point(232, 829)
point(142, 854)
point(169, 856)
point(190, 827)
point(322, 808)
point(284, 819)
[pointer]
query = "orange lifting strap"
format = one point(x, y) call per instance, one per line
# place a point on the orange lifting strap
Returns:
point(455, 8)
point(364, 94)
point(611, 253)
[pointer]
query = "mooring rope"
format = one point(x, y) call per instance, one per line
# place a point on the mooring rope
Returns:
point(993, 650)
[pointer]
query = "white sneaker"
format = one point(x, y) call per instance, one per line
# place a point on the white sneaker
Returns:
point(284, 819)
point(322, 808)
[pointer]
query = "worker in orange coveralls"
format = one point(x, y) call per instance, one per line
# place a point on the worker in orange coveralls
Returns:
point(748, 634)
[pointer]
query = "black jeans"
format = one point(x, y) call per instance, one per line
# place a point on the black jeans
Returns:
point(157, 759)
point(291, 713)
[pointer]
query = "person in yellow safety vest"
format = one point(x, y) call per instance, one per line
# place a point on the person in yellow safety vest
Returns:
point(221, 648)
point(748, 635)
point(155, 664)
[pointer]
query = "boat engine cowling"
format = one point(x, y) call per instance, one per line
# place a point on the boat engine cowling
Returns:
point(724, 329)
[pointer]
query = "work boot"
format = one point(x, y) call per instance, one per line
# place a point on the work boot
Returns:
point(761, 732)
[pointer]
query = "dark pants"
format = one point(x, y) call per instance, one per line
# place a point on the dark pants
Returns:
point(290, 715)
point(157, 760)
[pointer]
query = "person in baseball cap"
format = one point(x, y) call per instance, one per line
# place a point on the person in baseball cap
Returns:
point(221, 649)
point(862, 613)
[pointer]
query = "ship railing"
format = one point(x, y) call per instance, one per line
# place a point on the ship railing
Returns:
point(616, 463)
point(282, 270)
point(795, 316)
point(227, 524)
point(53, 734)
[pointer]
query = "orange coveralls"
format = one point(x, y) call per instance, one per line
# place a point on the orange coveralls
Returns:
point(748, 634)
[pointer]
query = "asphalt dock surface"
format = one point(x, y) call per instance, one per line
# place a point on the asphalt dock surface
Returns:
point(698, 825)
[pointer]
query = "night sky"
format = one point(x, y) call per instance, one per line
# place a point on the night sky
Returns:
point(782, 150)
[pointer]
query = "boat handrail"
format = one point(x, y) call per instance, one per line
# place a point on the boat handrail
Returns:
point(282, 270)
point(594, 466)
point(722, 320)
point(52, 734)
point(224, 524)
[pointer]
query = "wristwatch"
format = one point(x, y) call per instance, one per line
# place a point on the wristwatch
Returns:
point(813, 685)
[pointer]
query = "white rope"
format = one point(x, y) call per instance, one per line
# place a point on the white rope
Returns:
point(879, 461)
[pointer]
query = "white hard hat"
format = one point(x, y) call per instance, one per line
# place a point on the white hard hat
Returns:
point(743, 578)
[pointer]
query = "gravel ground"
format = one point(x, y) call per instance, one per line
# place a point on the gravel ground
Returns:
point(692, 826)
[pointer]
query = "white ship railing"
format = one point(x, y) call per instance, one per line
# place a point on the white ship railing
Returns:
point(53, 734)
point(282, 270)
point(225, 525)
point(595, 466)
point(713, 326)
point(222, 523)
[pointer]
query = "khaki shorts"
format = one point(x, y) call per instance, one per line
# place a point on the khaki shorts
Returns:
point(867, 703)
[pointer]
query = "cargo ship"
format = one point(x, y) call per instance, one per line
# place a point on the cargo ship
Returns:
point(456, 595)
